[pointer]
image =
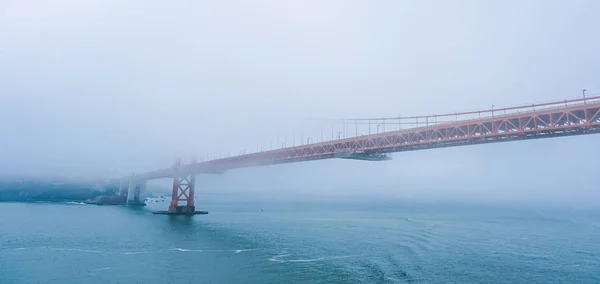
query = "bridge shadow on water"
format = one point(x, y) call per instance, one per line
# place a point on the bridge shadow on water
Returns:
point(181, 223)
point(177, 224)
point(187, 230)
point(191, 229)
point(137, 210)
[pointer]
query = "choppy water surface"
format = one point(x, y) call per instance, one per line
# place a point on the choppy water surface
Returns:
point(297, 242)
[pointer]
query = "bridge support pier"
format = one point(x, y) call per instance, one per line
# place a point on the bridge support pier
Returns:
point(133, 193)
point(121, 191)
point(183, 191)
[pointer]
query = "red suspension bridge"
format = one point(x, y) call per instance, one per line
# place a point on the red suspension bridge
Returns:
point(546, 120)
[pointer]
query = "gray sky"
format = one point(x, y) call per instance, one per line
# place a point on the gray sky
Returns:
point(110, 87)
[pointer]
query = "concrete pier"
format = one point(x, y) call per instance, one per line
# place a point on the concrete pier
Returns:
point(134, 191)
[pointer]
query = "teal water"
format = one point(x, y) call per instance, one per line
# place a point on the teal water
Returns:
point(283, 241)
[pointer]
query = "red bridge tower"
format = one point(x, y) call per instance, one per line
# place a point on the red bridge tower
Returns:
point(184, 185)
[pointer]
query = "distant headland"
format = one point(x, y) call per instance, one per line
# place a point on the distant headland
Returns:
point(35, 190)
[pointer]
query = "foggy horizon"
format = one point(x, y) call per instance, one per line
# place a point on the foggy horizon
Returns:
point(106, 88)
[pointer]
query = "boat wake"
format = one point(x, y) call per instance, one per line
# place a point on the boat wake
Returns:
point(77, 250)
point(187, 250)
point(212, 250)
point(81, 250)
point(281, 258)
point(133, 252)
point(74, 203)
point(244, 250)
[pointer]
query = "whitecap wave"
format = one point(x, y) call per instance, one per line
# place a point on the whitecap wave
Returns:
point(280, 258)
point(186, 250)
point(28, 248)
point(243, 250)
point(212, 250)
point(134, 252)
point(319, 259)
point(78, 250)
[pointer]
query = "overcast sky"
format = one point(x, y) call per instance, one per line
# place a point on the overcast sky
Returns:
point(110, 87)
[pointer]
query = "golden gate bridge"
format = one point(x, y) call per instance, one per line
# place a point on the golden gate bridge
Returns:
point(534, 121)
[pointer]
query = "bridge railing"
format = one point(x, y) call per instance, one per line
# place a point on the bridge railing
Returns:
point(361, 142)
point(514, 112)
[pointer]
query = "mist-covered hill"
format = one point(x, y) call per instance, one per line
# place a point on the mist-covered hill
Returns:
point(31, 190)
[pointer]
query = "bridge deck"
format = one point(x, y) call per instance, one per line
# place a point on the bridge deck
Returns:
point(574, 117)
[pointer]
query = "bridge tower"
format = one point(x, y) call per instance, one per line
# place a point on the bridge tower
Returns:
point(184, 186)
point(183, 190)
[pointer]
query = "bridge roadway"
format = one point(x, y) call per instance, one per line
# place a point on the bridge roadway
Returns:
point(554, 119)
